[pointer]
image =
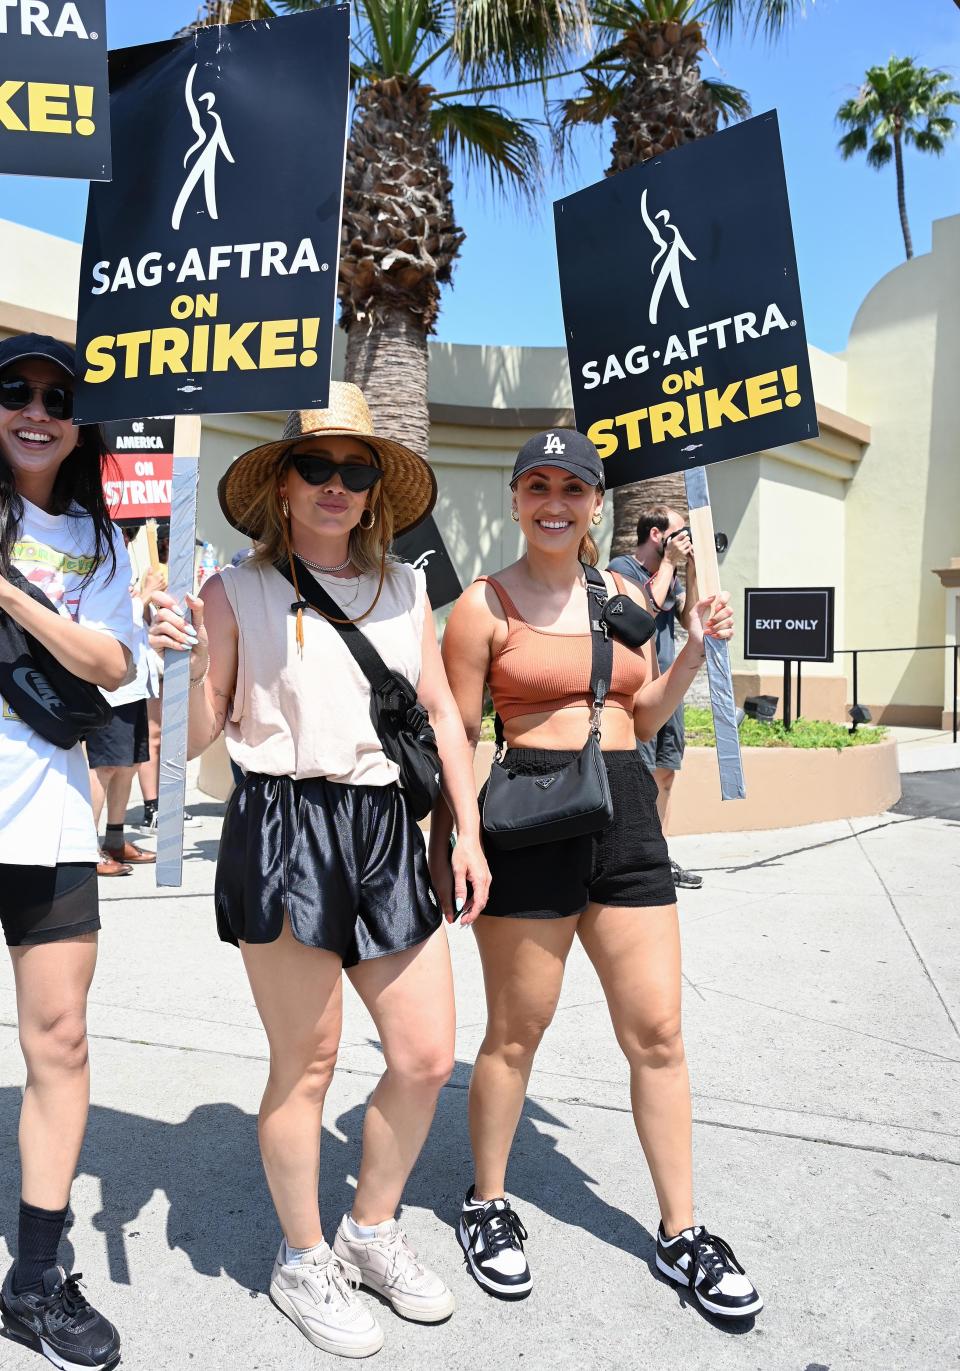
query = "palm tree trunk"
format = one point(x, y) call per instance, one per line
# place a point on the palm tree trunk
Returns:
point(628, 501)
point(901, 196)
point(388, 361)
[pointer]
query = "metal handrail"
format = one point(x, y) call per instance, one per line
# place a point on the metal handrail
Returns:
point(857, 652)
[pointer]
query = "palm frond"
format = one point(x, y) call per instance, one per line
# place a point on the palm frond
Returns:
point(879, 152)
point(766, 18)
point(499, 40)
point(486, 139)
point(730, 101)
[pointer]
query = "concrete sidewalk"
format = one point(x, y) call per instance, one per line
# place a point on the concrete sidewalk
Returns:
point(822, 970)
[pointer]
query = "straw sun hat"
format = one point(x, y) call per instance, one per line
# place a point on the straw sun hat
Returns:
point(408, 480)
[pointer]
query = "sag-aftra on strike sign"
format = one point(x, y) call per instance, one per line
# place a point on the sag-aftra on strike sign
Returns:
point(682, 307)
point(209, 267)
point(54, 101)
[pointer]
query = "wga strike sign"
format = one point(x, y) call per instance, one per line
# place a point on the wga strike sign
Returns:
point(209, 268)
point(54, 102)
point(682, 307)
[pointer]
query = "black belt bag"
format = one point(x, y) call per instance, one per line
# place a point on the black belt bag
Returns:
point(43, 694)
point(400, 720)
point(522, 811)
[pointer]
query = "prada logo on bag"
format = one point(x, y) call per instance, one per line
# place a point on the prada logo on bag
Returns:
point(617, 607)
point(545, 782)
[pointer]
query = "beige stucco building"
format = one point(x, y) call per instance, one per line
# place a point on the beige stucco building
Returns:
point(871, 507)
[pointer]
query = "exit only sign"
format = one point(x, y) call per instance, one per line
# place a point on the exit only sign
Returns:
point(793, 625)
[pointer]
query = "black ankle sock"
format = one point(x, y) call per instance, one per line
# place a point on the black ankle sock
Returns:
point(38, 1239)
point(149, 809)
point(115, 831)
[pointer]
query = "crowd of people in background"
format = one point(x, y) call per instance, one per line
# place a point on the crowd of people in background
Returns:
point(322, 867)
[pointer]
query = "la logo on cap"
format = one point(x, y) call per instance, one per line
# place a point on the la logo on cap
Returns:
point(553, 446)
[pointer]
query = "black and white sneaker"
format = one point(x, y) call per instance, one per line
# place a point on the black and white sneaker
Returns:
point(719, 1281)
point(492, 1238)
point(685, 880)
point(60, 1322)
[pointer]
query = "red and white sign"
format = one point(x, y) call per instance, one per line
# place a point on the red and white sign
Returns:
point(138, 487)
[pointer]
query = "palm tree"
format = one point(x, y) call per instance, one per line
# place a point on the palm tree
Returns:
point(400, 238)
point(646, 78)
point(897, 104)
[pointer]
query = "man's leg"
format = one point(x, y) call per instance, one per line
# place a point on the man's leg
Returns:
point(118, 797)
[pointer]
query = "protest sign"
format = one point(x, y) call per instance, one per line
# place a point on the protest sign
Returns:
point(682, 307)
point(54, 102)
point(789, 625)
point(209, 267)
point(424, 548)
point(137, 483)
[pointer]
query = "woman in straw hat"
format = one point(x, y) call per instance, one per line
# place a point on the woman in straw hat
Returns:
point(321, 865)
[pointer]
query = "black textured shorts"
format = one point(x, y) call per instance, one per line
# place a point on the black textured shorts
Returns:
point(665, 751)
point(346, 863)
point(626, 864)
point(124, 741)
point(47, 904)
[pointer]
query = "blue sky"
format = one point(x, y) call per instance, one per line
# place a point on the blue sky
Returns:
point(844, 214)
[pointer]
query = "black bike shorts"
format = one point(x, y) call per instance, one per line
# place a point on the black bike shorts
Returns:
point(47, 904)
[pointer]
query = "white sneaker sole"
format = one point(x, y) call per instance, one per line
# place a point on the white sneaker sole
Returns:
point(416, 1312)
point(744, 1312)
point(19, 1333)
point(505, 1292)
point(327, 1344)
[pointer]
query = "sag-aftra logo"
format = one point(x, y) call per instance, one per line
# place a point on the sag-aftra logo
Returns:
point(54, 20)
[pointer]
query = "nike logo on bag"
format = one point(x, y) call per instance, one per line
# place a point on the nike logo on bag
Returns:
point(545, 782)
point(38, 687)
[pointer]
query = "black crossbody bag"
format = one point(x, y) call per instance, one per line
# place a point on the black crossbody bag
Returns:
point(42, 693)
point(522, 811)
point(401, 722)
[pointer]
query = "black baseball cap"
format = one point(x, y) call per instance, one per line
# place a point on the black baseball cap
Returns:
point(564, 448)
point(24, 345)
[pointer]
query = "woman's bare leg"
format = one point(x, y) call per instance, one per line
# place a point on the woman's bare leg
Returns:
point(410, 998)
point(523, 961)
point(52, 982)
point(298, 993)
point(636, 953)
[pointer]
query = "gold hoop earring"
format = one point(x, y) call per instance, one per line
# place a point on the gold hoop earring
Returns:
point(597, 518)
point(372, 519)
point(514, 516)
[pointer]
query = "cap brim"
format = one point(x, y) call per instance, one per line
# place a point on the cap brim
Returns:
point(582, 473)
point(36, 352)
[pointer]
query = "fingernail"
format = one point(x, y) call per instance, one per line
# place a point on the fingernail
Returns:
point(459, 904)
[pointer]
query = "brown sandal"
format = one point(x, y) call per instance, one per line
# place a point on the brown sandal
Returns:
point(130, 855)
point(108, 867)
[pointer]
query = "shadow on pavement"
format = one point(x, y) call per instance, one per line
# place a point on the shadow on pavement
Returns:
point(219, 1211)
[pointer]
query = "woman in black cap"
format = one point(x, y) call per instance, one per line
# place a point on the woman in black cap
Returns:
point(55, 531)
point(526, 634)
point(322, 867)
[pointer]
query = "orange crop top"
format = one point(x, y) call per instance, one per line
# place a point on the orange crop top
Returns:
point(537, 670)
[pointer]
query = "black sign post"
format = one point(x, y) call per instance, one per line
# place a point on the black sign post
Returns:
point(54, 100)
point(424, 548)
point(789, 626)
point(685, 334)
point(209, 267)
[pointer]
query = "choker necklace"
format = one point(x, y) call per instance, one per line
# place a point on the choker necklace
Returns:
point(324, 570)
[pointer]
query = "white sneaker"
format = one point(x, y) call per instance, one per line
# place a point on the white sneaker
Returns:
point(317, 1296)
point(388, 1264)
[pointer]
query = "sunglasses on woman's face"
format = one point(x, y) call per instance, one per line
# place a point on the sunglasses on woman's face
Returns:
point(16, 393)
point(316, 471)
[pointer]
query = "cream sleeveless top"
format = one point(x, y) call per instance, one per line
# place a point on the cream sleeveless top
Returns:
point(310, 716)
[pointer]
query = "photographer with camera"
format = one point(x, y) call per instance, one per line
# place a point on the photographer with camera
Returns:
point(664, 547)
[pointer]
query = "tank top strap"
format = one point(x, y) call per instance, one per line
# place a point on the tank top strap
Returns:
point(503, 595)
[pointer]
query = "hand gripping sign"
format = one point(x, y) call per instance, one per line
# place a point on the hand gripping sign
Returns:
point(685, 334)
point(54, 102)
point(209, 266)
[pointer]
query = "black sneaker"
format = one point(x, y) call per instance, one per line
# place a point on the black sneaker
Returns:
point(492, 1238)
point(60, 1323)
point(720, 1283)
point(685, 880)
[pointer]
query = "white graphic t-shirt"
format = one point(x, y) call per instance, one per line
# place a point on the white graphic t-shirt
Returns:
point(45, 814)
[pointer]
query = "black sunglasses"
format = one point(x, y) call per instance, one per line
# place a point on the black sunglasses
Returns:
point(16, 393)
point(318, 470)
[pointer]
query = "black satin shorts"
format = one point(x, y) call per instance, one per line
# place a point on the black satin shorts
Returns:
point(625, 865)
point(346, 863)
